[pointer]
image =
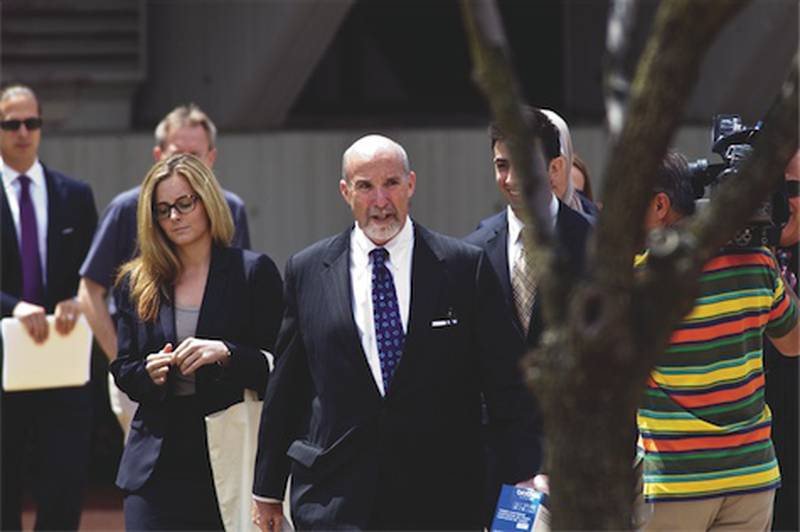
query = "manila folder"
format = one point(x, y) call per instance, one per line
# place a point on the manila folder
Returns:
point(59, 362)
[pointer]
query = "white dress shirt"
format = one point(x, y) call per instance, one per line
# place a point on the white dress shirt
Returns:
point(400, 250)
point(515, 228)
point(38, 190)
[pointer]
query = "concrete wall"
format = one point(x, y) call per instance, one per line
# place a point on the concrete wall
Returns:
point(243, 61)
point(289, 179)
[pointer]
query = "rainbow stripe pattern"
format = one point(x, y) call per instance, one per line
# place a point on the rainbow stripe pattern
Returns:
point(704, 425)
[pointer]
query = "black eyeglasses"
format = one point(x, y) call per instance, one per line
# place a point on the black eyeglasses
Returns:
point(31, 124)
point(184, 205)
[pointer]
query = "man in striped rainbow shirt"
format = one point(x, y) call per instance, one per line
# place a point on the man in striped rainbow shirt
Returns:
point(704, 426)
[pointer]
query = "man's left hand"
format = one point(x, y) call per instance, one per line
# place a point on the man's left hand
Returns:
point(540, 483)
point(66, 314)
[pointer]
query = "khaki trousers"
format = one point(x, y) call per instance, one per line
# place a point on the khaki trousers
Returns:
point(738, 512)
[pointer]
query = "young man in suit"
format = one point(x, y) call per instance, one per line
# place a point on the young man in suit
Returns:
point(500, 235)
point(48, 221)
point(392, 333)
point(185, 129)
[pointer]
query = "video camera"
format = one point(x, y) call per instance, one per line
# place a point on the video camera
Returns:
point(733, 142)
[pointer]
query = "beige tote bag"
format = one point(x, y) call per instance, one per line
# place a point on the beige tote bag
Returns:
point(232, 444)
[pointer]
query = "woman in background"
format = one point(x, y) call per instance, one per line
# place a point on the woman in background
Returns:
point(195, 318)
point(582, 181)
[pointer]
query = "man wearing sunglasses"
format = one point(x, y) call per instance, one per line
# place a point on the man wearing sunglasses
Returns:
point(186, 129)
point(47, 224)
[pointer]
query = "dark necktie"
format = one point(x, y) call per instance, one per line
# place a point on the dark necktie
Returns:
point(386, 314)
point(32, 290)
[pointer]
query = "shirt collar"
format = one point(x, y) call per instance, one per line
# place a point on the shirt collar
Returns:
point(401, 242)
point(515, 224)
point(35, 172)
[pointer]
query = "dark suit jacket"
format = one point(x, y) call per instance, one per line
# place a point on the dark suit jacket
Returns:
point(71, 219)
point(415, 458)
point(242, 305)
point(572, 230)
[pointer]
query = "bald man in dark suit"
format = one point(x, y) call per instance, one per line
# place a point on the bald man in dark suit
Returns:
point(392, 333)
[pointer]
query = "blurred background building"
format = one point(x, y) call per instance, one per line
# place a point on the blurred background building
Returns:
point(291, 83)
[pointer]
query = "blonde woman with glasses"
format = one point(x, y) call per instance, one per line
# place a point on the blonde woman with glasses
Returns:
point(195, 316)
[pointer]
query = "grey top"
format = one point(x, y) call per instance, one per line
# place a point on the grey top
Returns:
point(185, 326)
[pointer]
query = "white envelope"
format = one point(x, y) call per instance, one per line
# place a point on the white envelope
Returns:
point(59, 362)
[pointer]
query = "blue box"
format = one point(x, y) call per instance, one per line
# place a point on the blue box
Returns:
point(518, 508)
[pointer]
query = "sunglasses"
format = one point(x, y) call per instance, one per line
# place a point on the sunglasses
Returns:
point(31, 124)
point(184, 205)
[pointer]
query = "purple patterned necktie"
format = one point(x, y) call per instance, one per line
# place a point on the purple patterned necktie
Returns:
point(32, 291)
point(386, 313)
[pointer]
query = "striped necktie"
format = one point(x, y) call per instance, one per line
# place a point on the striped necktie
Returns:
point(523, 284)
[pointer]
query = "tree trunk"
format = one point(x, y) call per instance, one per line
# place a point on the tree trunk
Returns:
point(606, 330)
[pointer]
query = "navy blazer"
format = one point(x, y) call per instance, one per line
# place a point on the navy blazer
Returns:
point(71, 220)
point(572, 231)
point(414, 458)
point(242, 306)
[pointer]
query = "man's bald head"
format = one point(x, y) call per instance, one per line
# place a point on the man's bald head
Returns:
point(370, 147)
point(377, 185)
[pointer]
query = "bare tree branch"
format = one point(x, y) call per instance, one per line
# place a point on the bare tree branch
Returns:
point(678, 254)
point(616, 83)
point(776, 143)
point(667, 72)
point(493, 73)
point(605, 332)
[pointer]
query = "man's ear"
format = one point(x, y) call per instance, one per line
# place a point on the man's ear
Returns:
point(662, 204)
point(557, 166)
point(211, 157)
point(157, 153)
point(344, 189)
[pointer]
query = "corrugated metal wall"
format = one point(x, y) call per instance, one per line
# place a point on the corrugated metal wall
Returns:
point(289, 180)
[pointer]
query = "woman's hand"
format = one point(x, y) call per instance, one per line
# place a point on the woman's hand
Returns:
point(66, 314)
point(157, 364)
point(196, 352)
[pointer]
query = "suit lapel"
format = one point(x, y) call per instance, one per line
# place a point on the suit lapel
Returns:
point(55, 207)
point(166, 320)
point(427, 276)
point(572, 242)
point(337, 293)
point(10, 245)
point(563, 239)
point(212, 309)
point(497, 250)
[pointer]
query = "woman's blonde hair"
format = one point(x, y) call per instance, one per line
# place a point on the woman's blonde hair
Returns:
point(153, 272)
